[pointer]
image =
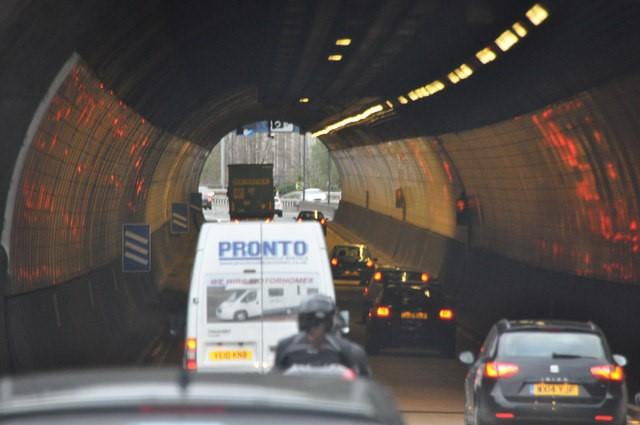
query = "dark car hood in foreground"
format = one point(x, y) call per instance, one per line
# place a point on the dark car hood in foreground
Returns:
point(121, 388)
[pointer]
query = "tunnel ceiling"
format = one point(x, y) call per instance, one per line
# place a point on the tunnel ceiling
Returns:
point(201, 68)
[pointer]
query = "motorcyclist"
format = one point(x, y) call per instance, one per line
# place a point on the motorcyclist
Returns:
point(317, 343)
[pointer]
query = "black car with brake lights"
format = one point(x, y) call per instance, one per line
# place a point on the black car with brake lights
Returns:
point(545, 372)
point(315, 215)
point(352, 261)
point(407, 308)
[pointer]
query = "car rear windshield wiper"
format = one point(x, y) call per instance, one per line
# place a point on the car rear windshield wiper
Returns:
point(566, 356)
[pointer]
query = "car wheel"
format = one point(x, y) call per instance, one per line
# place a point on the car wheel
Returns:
point(240, 316)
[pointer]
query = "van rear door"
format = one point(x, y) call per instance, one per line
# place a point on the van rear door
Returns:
point(228, 325)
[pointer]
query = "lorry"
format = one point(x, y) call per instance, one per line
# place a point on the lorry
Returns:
point(247, 283)
point(250, 191)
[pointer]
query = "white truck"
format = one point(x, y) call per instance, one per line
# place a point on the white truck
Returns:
point(247, 282)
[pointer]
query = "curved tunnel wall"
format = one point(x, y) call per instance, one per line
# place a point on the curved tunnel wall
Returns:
point(557, 189)
point(92, 165)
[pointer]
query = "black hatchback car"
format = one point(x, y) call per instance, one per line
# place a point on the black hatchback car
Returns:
point(545, 372)
point(407, 309)
point(352, 261)
point(315, 215)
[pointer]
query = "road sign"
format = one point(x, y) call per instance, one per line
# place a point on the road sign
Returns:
point(136, 248)
point(280, 126)
point(195, 201)
point(179, 218)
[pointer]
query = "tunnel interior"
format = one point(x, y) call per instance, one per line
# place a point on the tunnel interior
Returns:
point(109, 111)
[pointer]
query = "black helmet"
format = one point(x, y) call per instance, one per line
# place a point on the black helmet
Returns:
point(314, 310)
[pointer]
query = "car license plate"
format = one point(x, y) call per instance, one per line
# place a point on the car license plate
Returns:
point(562, 390)
point(230, 355)
point(419, 315)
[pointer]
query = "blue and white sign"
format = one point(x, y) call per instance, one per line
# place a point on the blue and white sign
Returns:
point(136, 248)
point(195, 201)
point(179, 218)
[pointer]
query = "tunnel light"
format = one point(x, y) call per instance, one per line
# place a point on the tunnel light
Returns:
point(463, 71)
point(519, 29)
point(403, 100)
point(506, 40)
point(486, 55)
point(350, 120)
point(343, 42)
point(334, 58)
point(389, 104)
point(453, 77)
point(303, 100)
point(413, 95)
point(537, 14)
point(434, 87)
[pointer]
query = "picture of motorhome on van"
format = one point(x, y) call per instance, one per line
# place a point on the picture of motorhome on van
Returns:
point(248, 281)
point(278, 298)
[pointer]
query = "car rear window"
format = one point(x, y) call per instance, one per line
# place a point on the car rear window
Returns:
point(401, 276)
point(550, 345)
point(414, 295)
point(347, 251)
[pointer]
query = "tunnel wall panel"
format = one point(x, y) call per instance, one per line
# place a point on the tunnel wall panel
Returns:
point(557, 189)
point(102, 318)
point(92, 165)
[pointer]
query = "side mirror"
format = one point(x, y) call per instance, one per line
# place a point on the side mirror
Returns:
point(636, 399)
point(467, 357)
point(343, 322)
point(620, 360)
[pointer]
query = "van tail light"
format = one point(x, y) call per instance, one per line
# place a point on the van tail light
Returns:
point(500, 370)
point(603, 418)
point(383, 311)
point(446, 314)
point(369, 263)
point(377, 276)
point(191, 345)
point(505, 415)
point(608, 373)
point(334, 262)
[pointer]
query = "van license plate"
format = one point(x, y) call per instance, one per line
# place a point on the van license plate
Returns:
point(562, 390)
point(230, 355)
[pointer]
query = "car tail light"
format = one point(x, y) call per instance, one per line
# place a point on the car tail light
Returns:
point(369, 263)
point(603, 418)
point(608, 373)
point(383, 311)
point(365, 291)
point(191, 345)
point(322, 221)
point(505, 415)
point(424, 277)
point(500, 370)
point(299, 220)
point(446, 314)
point(334, 261)
point(377, 276)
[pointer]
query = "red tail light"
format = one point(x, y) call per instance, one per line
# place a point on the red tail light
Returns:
point(334, 262)
point(608, 373)
point(190, 345)
point(369, 263)
point(299, 220)
point(322, 221)
point(505, 415)
point(383, 311)
point(603, 418)
point(424, 277)
point(365, 291)
point(446, 314)
point(500, 370)
point(377, 276)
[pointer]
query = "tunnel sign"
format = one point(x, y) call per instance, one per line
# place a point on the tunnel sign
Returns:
point(280, 126)
point(179, 218)
point(136, 248)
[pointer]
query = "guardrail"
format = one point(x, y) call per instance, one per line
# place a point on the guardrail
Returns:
point(287, 204)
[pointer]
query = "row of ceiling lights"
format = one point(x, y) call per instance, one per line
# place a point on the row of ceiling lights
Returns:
point(334, 57)
point(505, 41)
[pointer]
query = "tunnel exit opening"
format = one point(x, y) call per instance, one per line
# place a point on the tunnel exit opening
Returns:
point(303, 167)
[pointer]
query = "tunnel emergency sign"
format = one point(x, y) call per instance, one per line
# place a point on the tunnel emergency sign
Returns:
point(179, 218)
point(136, 248)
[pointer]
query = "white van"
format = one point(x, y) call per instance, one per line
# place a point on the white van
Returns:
point(247, 282)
